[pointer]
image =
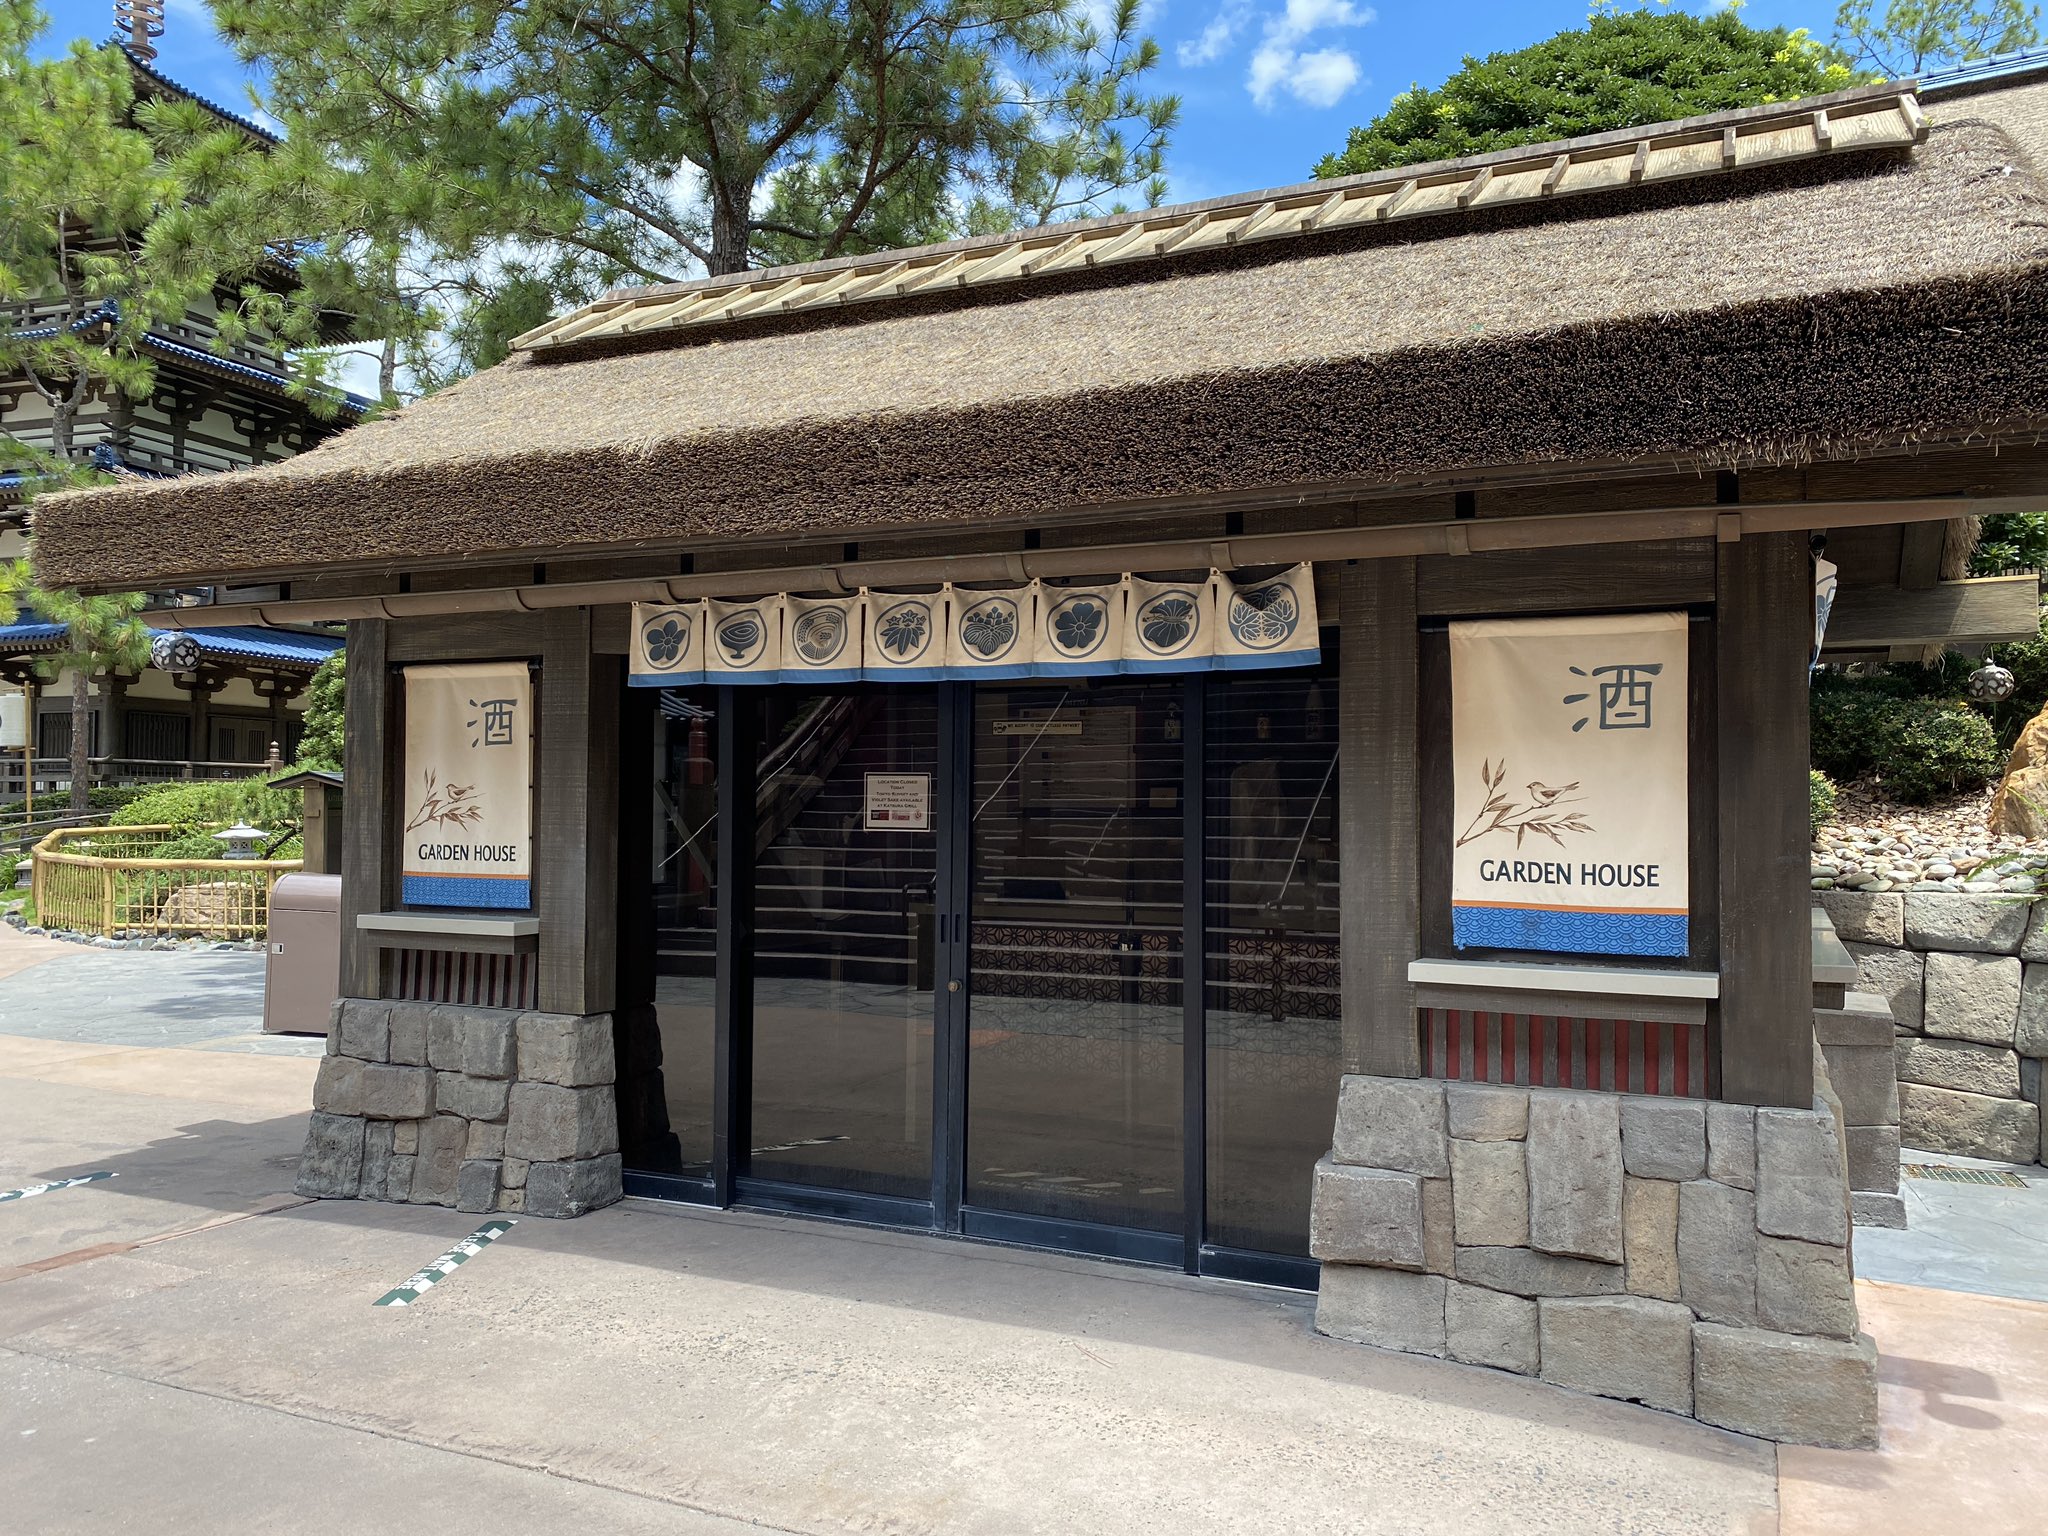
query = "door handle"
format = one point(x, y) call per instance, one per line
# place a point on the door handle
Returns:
point(953, 986)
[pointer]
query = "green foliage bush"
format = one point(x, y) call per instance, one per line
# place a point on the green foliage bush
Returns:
point(1919, 747)
point(1617, 71)
point(2027, 660)
point(320, 743)
point(210, 803)
point(1822, 797)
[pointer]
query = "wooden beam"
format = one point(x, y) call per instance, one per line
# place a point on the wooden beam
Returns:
point(1727, 149)
point(1475, 186)
point(1655, 574)
point(1980, 611)
point(1764, 631)
point(1920, 548)
point(1823, 132)
point(373, 734)
point(1328, 206)
point(1387, 209)
point(1556, 172)
point(575, 843)
point(1378, 839)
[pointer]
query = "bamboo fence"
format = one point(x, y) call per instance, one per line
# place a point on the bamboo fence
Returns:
point(101, 880)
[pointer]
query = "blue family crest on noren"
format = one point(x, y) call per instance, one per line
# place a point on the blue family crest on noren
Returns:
point(1078, 625)
point(904, 631)
point(1169, 620)
point(1265, 616)
point(741, 637)
point(666, 639)
point(989, 627)
point(820, 635)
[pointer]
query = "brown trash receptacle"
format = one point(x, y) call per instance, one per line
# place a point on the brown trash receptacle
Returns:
point(303, 975)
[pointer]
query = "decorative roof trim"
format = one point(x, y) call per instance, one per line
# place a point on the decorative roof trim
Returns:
point(1871, 117)
point(108, 313)
point(143, 67)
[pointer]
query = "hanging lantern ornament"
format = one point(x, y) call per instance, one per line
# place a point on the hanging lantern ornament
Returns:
point(174, 652)
point(1990, 683)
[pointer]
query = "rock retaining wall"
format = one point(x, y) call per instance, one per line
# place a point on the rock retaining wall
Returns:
point(1967, 980)
point(484, 1109)
point(1693, 1257)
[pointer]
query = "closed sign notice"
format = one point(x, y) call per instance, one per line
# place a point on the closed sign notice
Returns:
point(899, 802)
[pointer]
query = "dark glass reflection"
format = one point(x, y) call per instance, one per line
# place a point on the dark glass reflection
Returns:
point(1272, 967)
point(843, 940)
point(1074, 1043)
point(666, 955)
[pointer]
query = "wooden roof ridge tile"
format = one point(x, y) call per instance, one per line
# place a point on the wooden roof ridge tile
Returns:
point(1868, 117)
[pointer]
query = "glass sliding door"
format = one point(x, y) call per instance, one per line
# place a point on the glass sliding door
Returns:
point(1074, 1030)
point(667, 960)
point(1273, 1041)
point(847, 830)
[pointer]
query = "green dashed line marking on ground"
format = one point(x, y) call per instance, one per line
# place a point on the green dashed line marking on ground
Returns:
point(43, 1189)
point(409, 1291)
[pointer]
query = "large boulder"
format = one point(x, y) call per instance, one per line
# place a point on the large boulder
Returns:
point(2020, 804)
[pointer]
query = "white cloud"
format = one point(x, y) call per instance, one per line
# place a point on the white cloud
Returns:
point(1315, 77)
point(1217, 36)
point(1321, 78)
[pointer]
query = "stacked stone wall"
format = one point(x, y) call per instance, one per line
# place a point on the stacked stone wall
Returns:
point(482, 1109)
point(1966, 977)
point(1693, 1257)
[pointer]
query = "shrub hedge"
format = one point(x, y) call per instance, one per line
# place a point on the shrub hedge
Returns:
point(1886, 726)
point(201, 803)
point(1821, 796)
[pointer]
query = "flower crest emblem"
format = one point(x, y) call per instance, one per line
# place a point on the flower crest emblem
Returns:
point(666, 642)
point(1076, 626)
point(903, 630)
point(1168, 622)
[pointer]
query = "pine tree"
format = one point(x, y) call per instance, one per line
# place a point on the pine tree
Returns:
point(1911, 36)
point(523, 154)
point(114, 215)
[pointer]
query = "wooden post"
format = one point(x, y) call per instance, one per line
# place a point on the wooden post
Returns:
point(372, 749)
point(1764, 635)
point(1378, 841)
point(575, 850)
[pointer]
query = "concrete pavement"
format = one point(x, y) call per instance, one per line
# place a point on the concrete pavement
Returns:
point(183, 1347)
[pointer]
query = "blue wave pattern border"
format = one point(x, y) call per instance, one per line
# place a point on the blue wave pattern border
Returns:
point(1571, 932)
point(465, 891)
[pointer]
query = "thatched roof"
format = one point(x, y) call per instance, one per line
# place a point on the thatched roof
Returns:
point(1802, 311)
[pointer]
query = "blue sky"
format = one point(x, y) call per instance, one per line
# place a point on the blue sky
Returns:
point(1267, 86)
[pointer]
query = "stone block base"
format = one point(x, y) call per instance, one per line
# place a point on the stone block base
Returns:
point(1690, 1260)
point(1783, 1386)
point(482, 1109)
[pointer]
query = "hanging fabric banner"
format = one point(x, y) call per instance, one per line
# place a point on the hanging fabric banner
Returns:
point(668, 645)
point(1170, 626)
point(1080, 631)
point(1570, 795)
point(743, 640)
point(468, 797)
point(1270, 623)
point(1033, 630)
point(821, 641)
point(905, 637)
point(990, 634)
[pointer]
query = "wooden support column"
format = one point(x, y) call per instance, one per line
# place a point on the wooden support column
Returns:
point(1378, 840)
point(576, 824)
point(1764, 634)
point(373, 732)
